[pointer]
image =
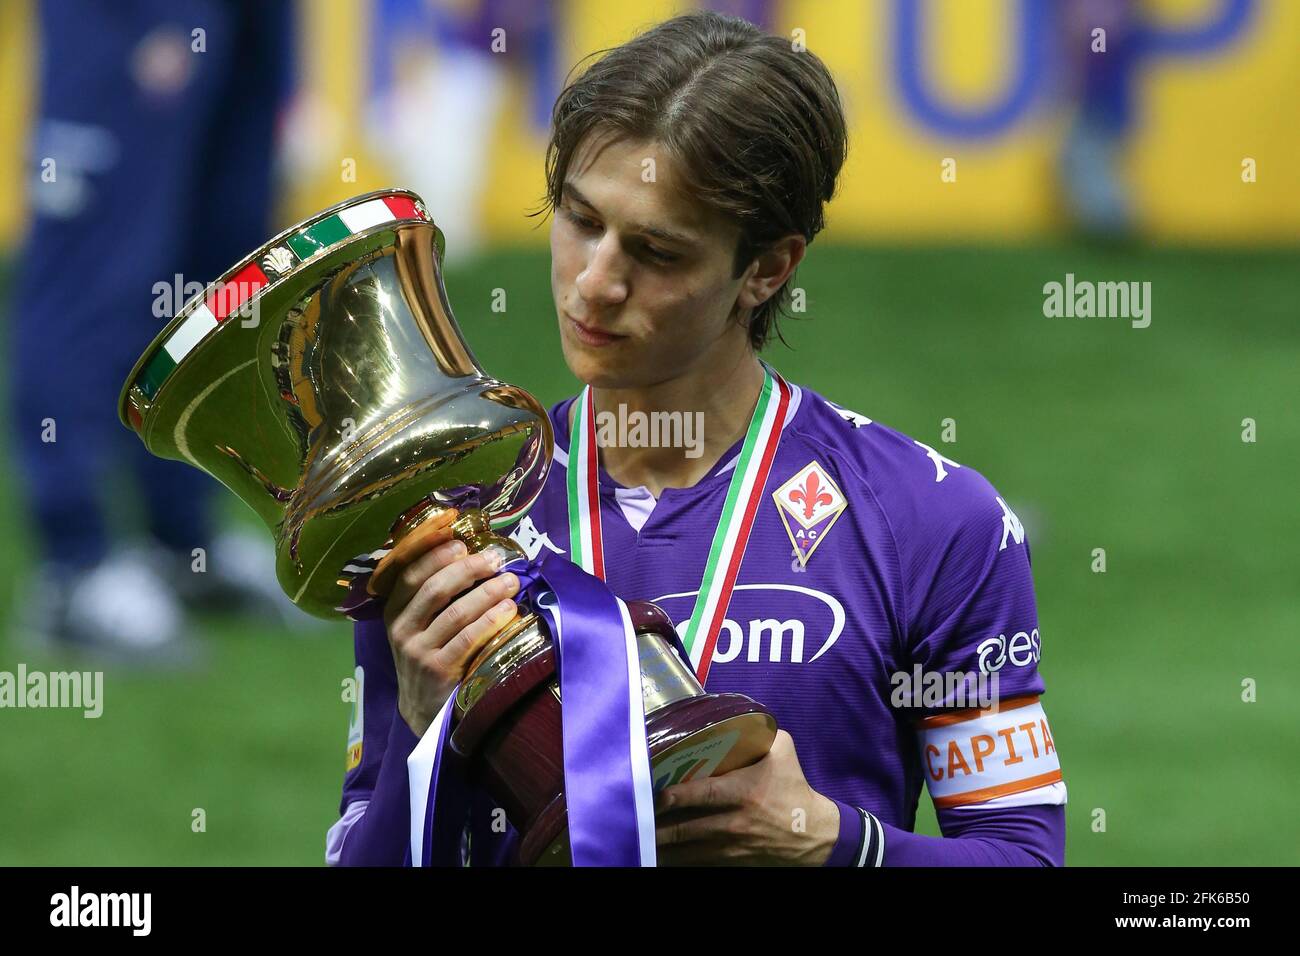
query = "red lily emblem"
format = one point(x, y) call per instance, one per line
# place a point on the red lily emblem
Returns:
point(811, 495)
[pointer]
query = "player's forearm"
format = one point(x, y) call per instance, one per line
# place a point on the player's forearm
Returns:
point(382, 834)
point(1013, 836)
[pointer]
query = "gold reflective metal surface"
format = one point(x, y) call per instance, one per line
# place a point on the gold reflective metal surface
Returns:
point(520, 641)
point(665, 678)
point(346, 399)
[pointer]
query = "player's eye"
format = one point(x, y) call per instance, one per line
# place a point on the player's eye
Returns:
point(647, 251)
point(580, 221)
point(658, 255)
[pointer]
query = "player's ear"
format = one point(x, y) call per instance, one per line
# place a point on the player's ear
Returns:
point(769, 270)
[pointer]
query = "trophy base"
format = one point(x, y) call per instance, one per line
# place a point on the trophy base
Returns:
point(737, 732)
point(508, 726)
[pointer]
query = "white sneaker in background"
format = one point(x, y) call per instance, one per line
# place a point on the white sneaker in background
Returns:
point(239, 577)
point(122, 610)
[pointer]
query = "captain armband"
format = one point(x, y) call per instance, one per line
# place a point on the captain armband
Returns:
point(1004, 754)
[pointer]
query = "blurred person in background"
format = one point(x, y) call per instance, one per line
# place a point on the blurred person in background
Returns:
point(151, 164)
point(439, 80)
point(1094, 186)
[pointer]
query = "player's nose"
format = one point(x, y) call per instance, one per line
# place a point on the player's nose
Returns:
point(604, 282)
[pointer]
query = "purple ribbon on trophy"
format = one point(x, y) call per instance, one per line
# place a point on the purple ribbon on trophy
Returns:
point(607, 783)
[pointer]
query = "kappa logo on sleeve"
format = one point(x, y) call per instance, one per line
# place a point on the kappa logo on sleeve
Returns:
point(855, 419)
point(1011, 526)
point(939, 461)
point(531, 540)
point(974, 756)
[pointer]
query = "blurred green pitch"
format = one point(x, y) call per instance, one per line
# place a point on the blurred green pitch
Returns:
point(1097, 434)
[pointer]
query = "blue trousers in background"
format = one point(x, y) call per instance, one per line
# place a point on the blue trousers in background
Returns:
point(151, 157)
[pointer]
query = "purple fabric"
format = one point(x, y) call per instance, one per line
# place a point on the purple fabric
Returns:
point(923, 567)
point(591, 664)
point(847, 846)
point(984, 836)
point(976, 836)
point(359, 604)
point(441, 845)
point(383, 834)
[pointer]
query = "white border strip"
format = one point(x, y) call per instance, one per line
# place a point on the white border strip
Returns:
point(190, 332)
point(368, 214)
point(642, 783)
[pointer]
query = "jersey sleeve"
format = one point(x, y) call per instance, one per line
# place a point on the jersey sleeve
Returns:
point(973, 641)
point(970, 687)
point(981, 836)
point(374, 824)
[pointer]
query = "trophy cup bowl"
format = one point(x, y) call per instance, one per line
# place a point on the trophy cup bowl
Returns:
point(324, 380)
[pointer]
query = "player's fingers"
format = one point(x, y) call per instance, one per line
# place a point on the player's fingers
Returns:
point(465, 611)
point(713, 792)
point(420, 541)
point(457, 654)
point(711, 828)
point(450, 601)
point(407, 581)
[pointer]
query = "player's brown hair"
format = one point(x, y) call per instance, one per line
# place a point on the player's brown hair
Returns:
point(757, 123)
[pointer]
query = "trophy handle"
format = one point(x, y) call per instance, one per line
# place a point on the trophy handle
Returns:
point(472, 527)
point(469, 525)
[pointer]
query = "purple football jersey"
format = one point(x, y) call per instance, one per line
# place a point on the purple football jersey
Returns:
point(874, 562)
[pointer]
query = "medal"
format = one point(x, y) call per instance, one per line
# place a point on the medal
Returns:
point(739, 510)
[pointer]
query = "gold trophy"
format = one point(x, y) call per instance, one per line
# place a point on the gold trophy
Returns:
point(324, 380)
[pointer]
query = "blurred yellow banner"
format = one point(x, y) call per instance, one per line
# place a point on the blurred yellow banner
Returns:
point(964, 114)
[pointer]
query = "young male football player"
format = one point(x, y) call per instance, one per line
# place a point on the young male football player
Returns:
point(868, 555)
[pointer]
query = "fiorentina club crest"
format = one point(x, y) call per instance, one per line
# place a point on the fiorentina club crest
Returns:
point(814, 503)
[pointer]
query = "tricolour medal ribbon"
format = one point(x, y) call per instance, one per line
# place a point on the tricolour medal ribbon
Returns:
point(734, 526)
